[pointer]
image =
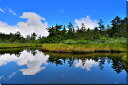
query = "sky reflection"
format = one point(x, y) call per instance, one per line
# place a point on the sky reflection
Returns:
point(34, 63)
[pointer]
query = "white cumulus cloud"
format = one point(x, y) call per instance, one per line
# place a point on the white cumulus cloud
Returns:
point(91, 24)
point(5, 28)
point(33, 24)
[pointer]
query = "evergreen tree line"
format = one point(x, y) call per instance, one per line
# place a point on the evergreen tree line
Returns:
point(60, 33)
point(17, 38)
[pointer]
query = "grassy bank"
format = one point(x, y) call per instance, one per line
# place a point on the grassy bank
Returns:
point(69, 48)
point(84, 48)
point(18, 45)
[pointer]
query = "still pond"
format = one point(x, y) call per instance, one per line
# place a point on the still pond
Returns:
point(37, 67)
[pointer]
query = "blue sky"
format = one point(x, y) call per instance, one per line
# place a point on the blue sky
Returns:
point(26, 15)
point(63, 11)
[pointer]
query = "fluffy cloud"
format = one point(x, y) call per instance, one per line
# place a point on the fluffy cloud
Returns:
point(5, 28)
point(32, 16)
point(33, 24)
point(88, 64)
point(87, 22)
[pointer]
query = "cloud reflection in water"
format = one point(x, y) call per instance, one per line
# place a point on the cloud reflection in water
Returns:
point(87, 64)
point(33, 62)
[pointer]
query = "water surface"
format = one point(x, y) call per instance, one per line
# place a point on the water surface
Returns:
point(37, 67)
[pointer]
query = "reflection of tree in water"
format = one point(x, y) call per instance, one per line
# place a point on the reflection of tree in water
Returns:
point(118, 63)
point(55, 60)
point(61, 60)
point(83, 61)
point(108, 60)
point(17, 51)
point(126, 61)
point(32, 51)
point(70, 62)
point(101, 62)
point(126, 68)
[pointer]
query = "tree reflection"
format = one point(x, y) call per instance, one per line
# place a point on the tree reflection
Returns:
point(32, 51)
point(126, 61)
point(116, 60)
point(117, 65)
point(101, 62)
point(70, 62)
point(56, 61)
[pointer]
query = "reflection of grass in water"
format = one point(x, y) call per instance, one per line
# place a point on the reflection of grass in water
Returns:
point(83, 47)
point(18, 45)
point(11, 49)
point(125, 57)
point(59, 55)
point(17, 50)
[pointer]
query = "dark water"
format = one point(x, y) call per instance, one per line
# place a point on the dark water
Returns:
point(37, 67)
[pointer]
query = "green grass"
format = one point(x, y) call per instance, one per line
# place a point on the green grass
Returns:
point(17, 45)
point(83, 47)
point(102, 40)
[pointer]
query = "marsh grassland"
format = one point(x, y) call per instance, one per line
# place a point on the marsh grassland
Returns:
point(84, 48)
